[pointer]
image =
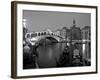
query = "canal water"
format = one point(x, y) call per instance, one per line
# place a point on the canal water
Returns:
point(49, 54)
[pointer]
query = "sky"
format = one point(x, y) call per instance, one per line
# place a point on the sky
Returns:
point(43, 20)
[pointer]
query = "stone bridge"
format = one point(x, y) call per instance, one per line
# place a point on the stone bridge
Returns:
point(44, 35)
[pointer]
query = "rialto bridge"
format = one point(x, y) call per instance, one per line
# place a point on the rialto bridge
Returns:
point(37, 36)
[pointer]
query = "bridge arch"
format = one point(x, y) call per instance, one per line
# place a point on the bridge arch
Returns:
point(52, 39)
point(45, 35)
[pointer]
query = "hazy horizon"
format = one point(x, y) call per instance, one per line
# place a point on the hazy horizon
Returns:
point(43, 20)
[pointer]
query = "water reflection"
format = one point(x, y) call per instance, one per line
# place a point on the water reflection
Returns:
point(48, 54)
point(56, 55)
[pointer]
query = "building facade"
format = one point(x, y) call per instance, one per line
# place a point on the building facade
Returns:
point(74, 36)
point(75, 32)
point(64, 33)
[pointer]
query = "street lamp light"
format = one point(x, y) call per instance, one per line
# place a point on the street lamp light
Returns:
point(24, 23)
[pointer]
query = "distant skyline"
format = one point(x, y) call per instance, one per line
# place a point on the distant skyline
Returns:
point(43, 20)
